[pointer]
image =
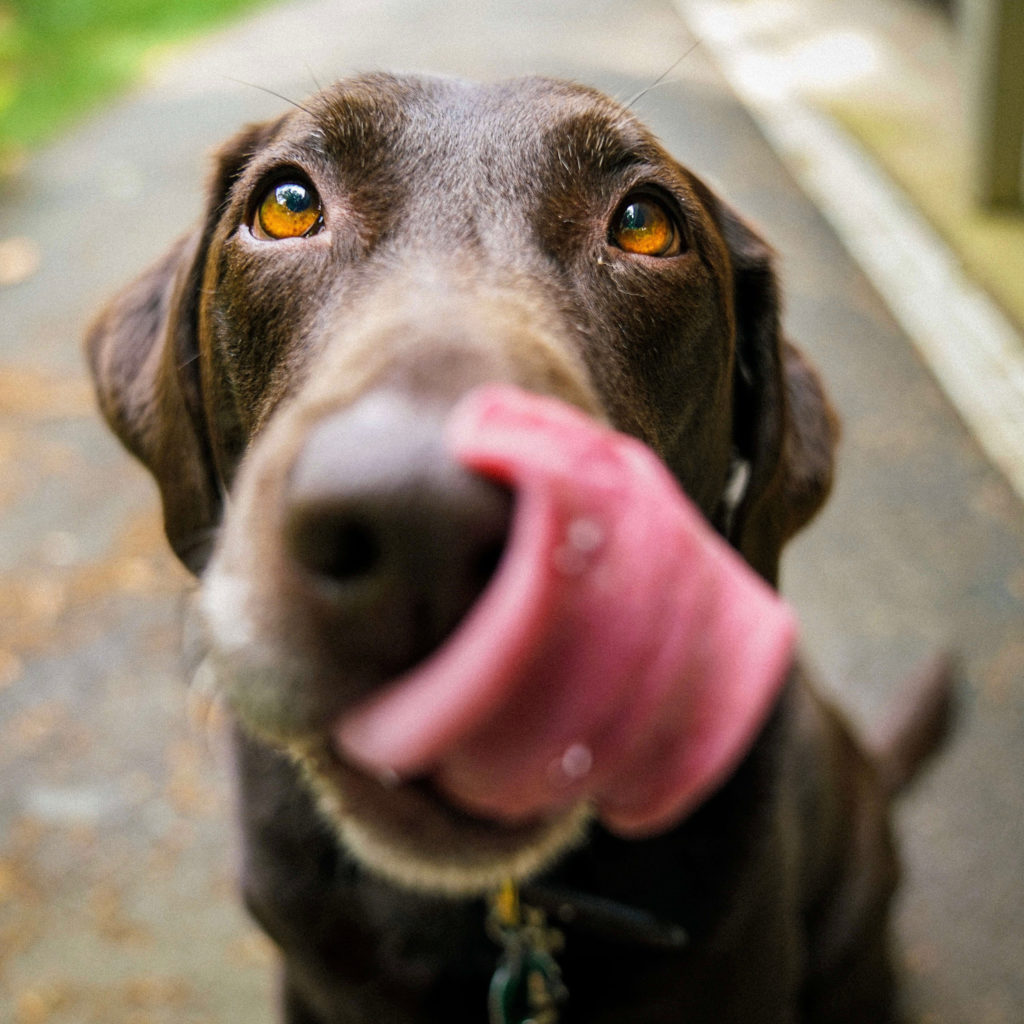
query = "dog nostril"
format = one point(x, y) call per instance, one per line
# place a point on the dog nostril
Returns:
point(486, 560)
point(333, 545)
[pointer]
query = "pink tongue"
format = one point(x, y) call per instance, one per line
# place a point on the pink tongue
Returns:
point(623, 653)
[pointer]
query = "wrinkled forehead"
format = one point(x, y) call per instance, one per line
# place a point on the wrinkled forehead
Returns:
point(500, 129)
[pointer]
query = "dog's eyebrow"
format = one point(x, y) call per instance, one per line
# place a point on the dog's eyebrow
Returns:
point(346, 133)
point(601, 143)
point(358, 119)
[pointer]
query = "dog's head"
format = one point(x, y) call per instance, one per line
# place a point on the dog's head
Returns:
point(366, 260)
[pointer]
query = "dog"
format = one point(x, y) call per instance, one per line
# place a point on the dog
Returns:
point(364, 263)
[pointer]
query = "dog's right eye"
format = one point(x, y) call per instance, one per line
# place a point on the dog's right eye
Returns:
point(644, 226)
point(288, 210)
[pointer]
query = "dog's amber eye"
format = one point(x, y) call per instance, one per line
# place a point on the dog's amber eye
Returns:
point(644, 227)
point(288, 210)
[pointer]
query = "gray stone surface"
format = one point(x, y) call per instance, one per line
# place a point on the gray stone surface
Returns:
point(117, 853)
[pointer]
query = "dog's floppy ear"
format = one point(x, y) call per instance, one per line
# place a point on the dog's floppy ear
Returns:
point(784, 428)
point(143, 350)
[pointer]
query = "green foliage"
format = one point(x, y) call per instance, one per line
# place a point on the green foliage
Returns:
point(60, 57)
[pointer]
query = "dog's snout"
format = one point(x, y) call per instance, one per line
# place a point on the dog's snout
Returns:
point(395, 537)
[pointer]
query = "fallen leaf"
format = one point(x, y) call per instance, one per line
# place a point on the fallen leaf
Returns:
point(20, 258)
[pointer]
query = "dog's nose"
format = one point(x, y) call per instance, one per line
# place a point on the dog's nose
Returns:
point(395, 537)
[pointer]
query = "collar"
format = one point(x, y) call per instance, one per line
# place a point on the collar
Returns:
point(527, 987)
point(608, 919)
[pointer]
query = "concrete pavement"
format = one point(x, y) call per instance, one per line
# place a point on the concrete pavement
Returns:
point(116, 846)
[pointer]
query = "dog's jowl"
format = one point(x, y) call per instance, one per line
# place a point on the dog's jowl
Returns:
point(470, 410)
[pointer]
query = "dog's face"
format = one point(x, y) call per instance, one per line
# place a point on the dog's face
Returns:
point(286, 372)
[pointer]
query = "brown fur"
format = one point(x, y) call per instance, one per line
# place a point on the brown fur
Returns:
point(466, 240)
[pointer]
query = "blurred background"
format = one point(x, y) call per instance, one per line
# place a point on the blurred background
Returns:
point(877, 144)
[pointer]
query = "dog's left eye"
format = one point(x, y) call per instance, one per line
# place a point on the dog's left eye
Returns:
point(288, 210)
point(643, 226)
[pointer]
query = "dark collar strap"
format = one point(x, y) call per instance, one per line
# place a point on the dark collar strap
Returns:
point(617, 922)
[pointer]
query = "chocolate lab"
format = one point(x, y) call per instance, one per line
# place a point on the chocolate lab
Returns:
point(288, 372)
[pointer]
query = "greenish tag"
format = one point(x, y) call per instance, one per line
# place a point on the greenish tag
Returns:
point(527, 986)
point(526, 989)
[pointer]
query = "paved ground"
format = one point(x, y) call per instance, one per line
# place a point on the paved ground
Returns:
point(116, 850)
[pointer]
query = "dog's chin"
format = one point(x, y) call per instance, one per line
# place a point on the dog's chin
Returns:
point(412, 836)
